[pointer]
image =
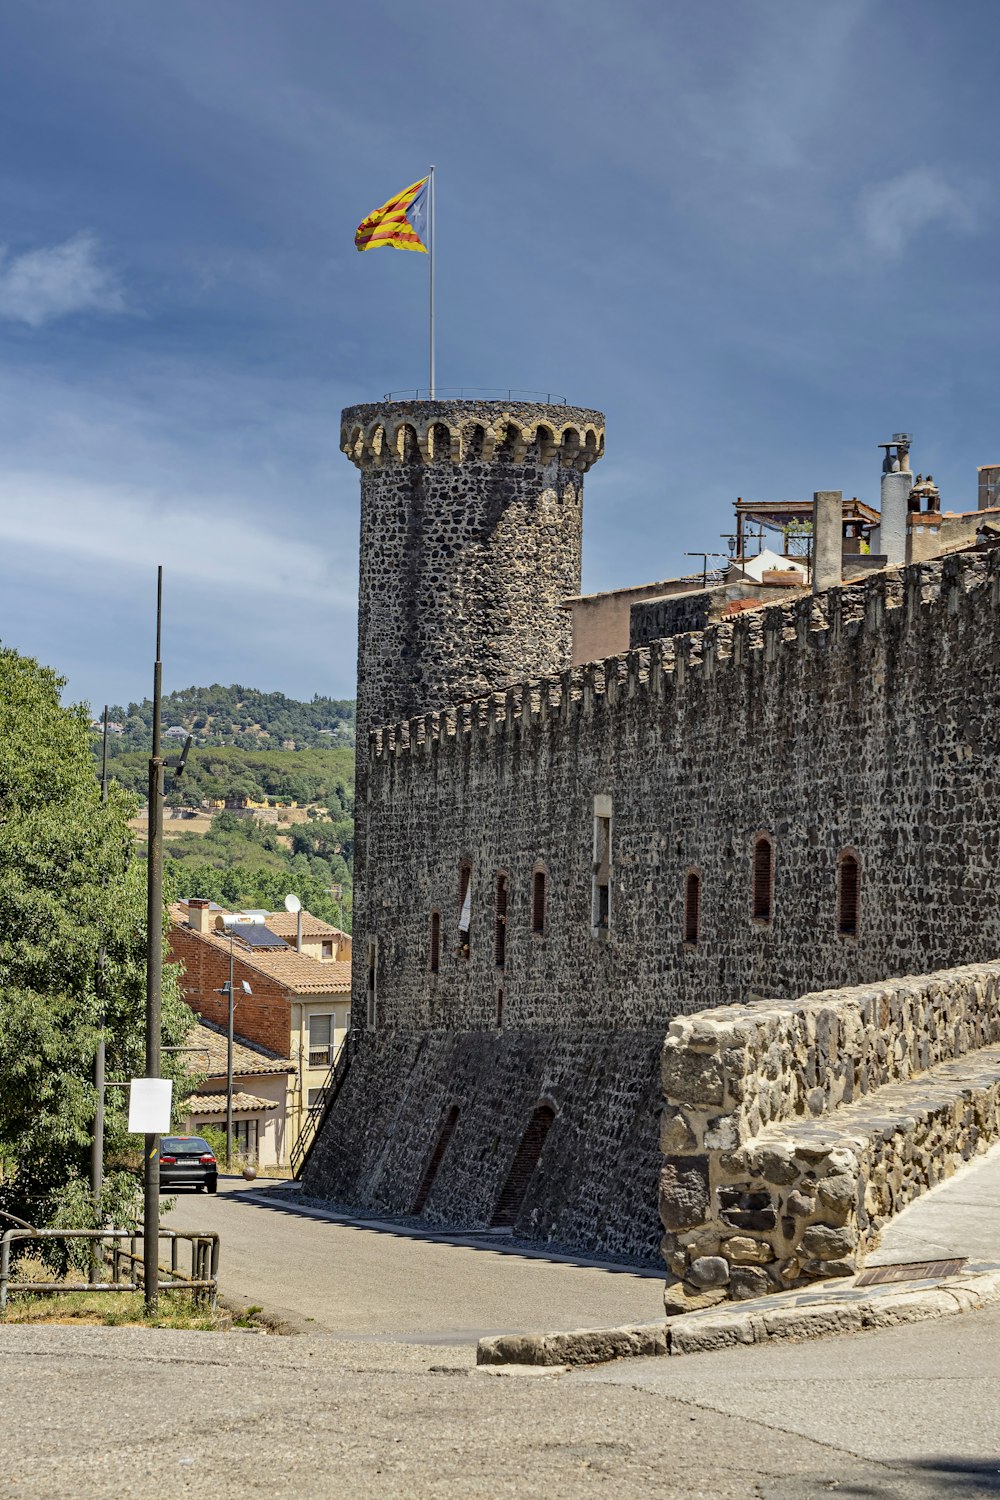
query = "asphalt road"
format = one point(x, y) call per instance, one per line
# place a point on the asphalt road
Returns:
point(366, 1281)
point(89, 1413)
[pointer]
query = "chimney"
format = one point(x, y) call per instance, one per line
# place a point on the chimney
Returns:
point(828, 539)
point(897, 482)
point(199, 914)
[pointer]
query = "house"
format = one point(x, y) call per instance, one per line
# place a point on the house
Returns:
point(298, 1006)
point(262, 1087)
point(319, 939)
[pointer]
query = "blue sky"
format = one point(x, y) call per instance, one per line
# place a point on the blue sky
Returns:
point(759, 234)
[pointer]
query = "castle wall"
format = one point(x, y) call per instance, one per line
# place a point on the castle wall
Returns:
point(864, 719)
point(596, 1185)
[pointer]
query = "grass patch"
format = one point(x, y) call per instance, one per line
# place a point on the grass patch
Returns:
point(113, 1310)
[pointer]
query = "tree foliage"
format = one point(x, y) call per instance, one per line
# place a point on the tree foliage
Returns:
point(69, 881)
point(239, 716)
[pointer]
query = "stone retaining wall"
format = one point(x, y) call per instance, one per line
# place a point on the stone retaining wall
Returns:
point(793, 1129)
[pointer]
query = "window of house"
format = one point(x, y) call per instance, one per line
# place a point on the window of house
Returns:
point(601, 881)
point(762, 879)
point(321, 1030)
point(313, 1097)
point(328, 947)
point(434, 958)
point(692, 906)
point(372, 985)
point(500, 924)
point(538, 902)
point(848, 894)
point(245, 1136)
point(464, 909)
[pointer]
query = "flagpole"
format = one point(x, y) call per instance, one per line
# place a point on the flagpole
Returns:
point(430, 186)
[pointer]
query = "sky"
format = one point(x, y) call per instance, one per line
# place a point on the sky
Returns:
point(758, 234)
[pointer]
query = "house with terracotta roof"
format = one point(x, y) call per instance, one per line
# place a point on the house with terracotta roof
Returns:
point(262, 1088)
point(319, 939)
point(297, 1007)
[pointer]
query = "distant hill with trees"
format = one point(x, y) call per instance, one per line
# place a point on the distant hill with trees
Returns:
point(238, 716)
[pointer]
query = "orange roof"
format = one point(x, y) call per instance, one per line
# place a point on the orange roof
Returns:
point(285, 924)
point(296, 972)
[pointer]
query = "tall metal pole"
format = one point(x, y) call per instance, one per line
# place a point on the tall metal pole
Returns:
point(433, 246)
point(97, 1149)
point(154, 976)
point(229, 1062)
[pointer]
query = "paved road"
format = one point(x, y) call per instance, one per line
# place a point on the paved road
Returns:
point(93, 1413)
point(367, 1281)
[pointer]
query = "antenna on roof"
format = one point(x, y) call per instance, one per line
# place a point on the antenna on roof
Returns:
point(292, 903)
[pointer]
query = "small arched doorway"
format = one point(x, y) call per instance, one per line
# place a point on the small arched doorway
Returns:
point(526, 1158)
point(431, 1170)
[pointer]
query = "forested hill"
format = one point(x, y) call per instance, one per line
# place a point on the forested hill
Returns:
point(240, 716)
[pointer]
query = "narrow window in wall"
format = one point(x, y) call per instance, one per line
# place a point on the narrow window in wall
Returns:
point(499, 1010)
point(601, 882)
point(434, 962)
point(762, 879)
point(372, 987)
point(848, 894)
point(500, 924)
point(692, 906)
point(464, 909)
point(538, 902)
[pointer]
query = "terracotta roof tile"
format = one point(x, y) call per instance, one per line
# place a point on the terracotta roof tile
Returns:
point(249, 1058)
point(215, 1104)
point(285, 924)
point(296, 972)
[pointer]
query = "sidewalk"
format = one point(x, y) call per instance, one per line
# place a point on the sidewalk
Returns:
point(959, 1219)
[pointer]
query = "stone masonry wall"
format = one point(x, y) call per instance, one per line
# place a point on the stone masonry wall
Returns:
point(595, 1185)
point(792, 1130)
point(866, 719)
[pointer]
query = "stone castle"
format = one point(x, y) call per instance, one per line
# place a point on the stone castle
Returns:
point(618, 922)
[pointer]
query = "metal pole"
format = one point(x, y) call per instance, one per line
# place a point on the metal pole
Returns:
point(154, 978)
point(430, 188)
point(229, 1063)
point(97, 1149)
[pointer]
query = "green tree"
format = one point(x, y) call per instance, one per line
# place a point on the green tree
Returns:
point(69, 879)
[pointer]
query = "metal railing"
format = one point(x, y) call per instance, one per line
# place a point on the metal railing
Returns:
point(119, 1251)
point(480, 392)
point(318, 1110)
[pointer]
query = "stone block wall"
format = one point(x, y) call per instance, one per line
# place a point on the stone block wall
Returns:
point(792, 1130)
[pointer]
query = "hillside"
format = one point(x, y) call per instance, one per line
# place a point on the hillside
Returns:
point(238, 716)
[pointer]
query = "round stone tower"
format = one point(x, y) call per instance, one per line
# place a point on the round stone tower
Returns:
point(471, 530)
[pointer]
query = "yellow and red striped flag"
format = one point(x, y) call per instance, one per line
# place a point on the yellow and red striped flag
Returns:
point(400, 222)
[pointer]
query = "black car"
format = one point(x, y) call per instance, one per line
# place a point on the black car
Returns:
point(187, 1161)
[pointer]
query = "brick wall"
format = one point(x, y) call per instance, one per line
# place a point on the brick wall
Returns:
point(264, 1016)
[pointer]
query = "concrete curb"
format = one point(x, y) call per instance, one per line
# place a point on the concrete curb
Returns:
point(757, 1322)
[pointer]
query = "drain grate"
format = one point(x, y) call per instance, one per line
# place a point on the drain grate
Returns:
point(914, 1270)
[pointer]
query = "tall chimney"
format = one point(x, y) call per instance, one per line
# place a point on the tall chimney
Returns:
point(897, 482)
point(828, 539)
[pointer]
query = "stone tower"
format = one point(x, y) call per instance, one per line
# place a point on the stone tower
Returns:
point(471, 530)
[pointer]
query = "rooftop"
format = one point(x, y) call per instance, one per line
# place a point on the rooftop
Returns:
point(249, 1058)
point(295, 972)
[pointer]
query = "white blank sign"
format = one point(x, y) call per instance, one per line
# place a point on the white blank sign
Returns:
point(149, 1106)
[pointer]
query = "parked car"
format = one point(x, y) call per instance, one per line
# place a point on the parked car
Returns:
point(187, 1161)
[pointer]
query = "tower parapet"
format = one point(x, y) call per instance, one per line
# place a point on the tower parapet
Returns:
point(471, 538)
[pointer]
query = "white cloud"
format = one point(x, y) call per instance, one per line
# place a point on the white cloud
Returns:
point(890, 214)
point(207, 540)
point(57, 280)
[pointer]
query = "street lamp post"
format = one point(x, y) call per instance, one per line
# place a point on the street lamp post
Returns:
point(232, 921)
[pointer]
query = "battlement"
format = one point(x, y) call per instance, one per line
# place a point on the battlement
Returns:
point(667, 665)
point(459, 432)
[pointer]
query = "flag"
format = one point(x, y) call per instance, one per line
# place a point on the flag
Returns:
point(401, 222)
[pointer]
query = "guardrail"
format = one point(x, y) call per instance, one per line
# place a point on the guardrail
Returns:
point(119, 1251)
point(317, 1112)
